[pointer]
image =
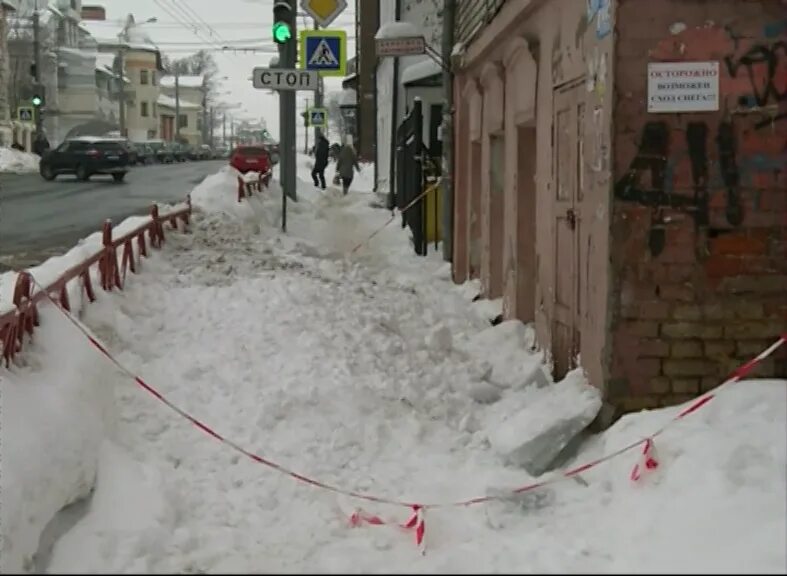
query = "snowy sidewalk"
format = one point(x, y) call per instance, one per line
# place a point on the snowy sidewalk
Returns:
point(360, 372)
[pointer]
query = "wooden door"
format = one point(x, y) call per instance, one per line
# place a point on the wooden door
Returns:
point(568, 166)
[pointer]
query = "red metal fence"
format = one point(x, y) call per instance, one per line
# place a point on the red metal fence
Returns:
point(247, 188)
point(24, 318)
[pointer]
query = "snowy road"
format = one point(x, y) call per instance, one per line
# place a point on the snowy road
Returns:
point(361, 372)
point(40, 218)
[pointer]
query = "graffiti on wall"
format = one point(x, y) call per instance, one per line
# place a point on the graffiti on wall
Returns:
point(765, 68)
point(714, 167)
point(601, 11)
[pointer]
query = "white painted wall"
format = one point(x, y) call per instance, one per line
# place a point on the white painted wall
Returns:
point(426, 15)
point(385, 90)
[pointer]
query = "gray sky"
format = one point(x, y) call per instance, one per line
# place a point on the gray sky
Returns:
point(233, 22)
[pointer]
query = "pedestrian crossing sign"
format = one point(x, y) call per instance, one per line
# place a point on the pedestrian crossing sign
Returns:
point(324, 51)
point(25, 114)
point(318, 117)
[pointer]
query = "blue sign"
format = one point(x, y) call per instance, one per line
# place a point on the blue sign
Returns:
point(318, 117)
point(324, 51)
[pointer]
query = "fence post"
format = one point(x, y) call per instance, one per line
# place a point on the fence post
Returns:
point(156, 229)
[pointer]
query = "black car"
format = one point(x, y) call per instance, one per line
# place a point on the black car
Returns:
point(85, 157)
point(165, 153)
point(145, 154)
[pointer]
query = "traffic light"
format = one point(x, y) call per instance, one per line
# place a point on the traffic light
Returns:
point(283, 19)
point(33, 70)
point(38, 98)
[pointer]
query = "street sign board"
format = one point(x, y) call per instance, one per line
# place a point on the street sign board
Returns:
point(318, 117)
point(25, 114)
point(324, 11)
point(324, 51)
point(284, 79)
point(410, 46)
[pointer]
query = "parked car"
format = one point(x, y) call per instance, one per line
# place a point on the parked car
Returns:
point(165, 153)
point(145, 153)
point(205, 152)
point(86, 156)
point(181, 151)
point(250, 159)
point(273, 151)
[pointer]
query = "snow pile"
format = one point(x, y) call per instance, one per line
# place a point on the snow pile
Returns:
point(18, 162)
point(357, 371)
point(56, 410)
point(547, 420)
point(362, 370)
point(218, 194)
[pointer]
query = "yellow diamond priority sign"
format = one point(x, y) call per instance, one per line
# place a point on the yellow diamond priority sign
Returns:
point(324, 11)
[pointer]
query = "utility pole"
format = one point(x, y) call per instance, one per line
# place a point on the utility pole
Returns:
point(449, 15)
point(177, 103)
point(306, 127)
point(224, 128)
point(212, 122)
point(37, 63)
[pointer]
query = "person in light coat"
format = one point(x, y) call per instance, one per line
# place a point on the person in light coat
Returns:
point(347, 163)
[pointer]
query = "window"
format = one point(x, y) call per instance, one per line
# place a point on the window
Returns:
point(153, 79)
point(143, 109)
point(143, 76)
point(155, 109)
point(199, 123)
point(183, 121)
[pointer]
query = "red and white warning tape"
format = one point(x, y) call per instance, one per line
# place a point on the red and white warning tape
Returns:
point(416, 521)
point(407, 207)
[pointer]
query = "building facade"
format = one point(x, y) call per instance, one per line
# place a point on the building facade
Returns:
point(400, 80)
point(644, 240)
point(191, 92)
point(6, 8)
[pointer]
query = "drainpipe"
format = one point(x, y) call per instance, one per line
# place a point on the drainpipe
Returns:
point(449, 13)
point(394, 125)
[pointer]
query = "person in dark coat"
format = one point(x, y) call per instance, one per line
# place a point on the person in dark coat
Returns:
point(320, 161)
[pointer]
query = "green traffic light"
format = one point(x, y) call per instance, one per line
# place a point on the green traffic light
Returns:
point(281, 32)
point(36, 101)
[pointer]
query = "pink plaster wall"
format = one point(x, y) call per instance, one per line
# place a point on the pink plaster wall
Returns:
point(523, 54)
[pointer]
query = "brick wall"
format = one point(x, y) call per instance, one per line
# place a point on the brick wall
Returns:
point(699, 248)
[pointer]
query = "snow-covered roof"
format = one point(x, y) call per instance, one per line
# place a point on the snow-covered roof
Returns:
point(183, 81)
point(85, 54)
point(8, 4)
point(169, 102)
point(421, 70)
point(106, 32)
point(398, 30)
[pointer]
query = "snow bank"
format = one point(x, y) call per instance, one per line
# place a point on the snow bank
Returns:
point(56, 411)
point(140, 516)
point(356, 370)
point(18, 162)
point(218, 194)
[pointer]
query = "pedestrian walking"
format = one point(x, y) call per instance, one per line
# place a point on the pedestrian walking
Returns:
point(321, 150)
point(347, 163)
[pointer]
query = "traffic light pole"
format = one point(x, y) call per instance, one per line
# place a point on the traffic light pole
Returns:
point(318, 100)
point(287, 113)
point(37, 61)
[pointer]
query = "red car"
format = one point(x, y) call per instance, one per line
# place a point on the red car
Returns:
point(250, 159)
